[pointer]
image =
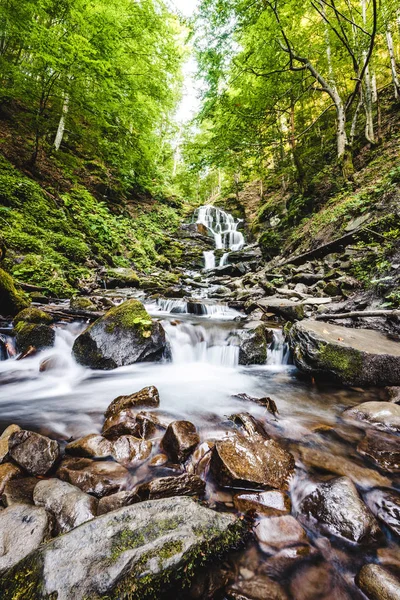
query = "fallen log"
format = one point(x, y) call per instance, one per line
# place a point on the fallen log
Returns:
point(357, 314)
point(72, 314)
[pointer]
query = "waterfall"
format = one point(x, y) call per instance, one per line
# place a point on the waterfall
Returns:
point(207, 310)
point(223, 228)
point(278, 350)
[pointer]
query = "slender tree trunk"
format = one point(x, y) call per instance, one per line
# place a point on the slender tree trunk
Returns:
point(369, 116)
point(354, 122)
point(61, 125)
point(393, 68)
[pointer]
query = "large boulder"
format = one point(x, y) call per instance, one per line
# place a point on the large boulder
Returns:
point(124, 336)
point(251, 461)
point(31, 335)
point(12, 301)
point(33, 315)
point(69, 506)
point(336, 508)
point(35, 453)
point(137, 552)
point(349, 356)
point(22, 529)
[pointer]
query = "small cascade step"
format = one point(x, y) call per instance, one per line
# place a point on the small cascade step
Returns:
point(223, 227)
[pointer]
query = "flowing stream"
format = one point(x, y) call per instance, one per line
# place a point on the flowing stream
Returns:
point(199, 383)
point(223, 227)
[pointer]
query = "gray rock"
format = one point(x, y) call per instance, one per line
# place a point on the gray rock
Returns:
point(133, 552)
point(148, 397)
point(385, 505)
point(382, 449)
point(243, 461)
point(125, 335)
point(253, 346)
point(35, 453)
point(22, 529)
point(381, 415)
point(180, 440)
point(69, 506)
point(350, 356)
point(94, 477)
point(275, 533)
point(335, 508)
point(378, 583)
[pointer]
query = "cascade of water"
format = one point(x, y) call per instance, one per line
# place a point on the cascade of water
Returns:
point(202, 309)
point(223, 228)
point(278, 350)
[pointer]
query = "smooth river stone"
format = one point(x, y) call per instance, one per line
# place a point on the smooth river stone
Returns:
point(275, 533)
point(378, 583)
point(271, 503)
point(94, 477)
point(143, 425)
point(381, 415)
point(335, 508)
point(243, 461)
point(382, 449)
point(22, 529)
point(147, 397)
point(126, 450)
point(180, 440)
point(35, 453)
point(137, 552)
point(68, 504)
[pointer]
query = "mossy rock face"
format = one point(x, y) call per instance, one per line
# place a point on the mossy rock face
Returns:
point(33, 315)
point(253, 346)
point(136, 552)
point(125, 335)
point(12, 301)
point(82, 303)
point(121, 278)
point(33, 335)
point(348, 356)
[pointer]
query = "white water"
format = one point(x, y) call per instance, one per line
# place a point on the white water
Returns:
point(165, 307)
point(223, 228)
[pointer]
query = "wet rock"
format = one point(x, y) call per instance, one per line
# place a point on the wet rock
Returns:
point(249, 424)
point(341, 466)
point(129, 450)
point(69, 506)
point(138, 551)
point(209, 582)
point(166, 487)
point(30, 335)
point(270, 503)
point(22, 530)
point(350, 356)
point(90, 446)
point(125, 335)
point(94, 477)
point(33, 315)
point(53, 363)
point(82, 303)
point(19, 491)
point(275, 533)
point(257, 588)
point(148, 397)
point(378, 583)
point(8, 472)
point(180, 439)
point(385, 505)
point(200, 459)
point(117, 501)
point(383, 450)
point(158, 460)
point(381, 415)
point(35, 453)
point(286, 559)
point(143, 425)
point(336, 509)
point(320, 581)
point(5, 436)
point(241, 461)
point(253, 346)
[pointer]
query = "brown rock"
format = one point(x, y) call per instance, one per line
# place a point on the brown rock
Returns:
point(20, 491)
point(148, 397)
point(320, 582)
point(200, 459)
point(180, 439)
point(166, 487)
point(116, 501)
point(158, 460)
point(143, 425)
point(382, 449)
point(126, 450)
point(378, 583)
point(35, 453)
point(4, 437)
point(249, 424)
point(342, 466)
point(90, 446)
point(335, 508)
point(257, 588)
point(8, 472)
point(275, 533)
point(94, 477)
point(271, 503)
point(276, 566)
point(385, 505)
point(243, 461)
point(381, 415)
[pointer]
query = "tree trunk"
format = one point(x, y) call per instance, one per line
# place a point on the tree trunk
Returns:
point(396, 83)
point(61, 125)
point(369, 117)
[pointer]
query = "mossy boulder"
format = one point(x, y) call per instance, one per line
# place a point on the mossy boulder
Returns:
point(82, 303)
point(121, 277)
point(33, 335)
point(136, 552)
point(12, 301)
point(361, 357)
point(253, 345)
point(125, 335)
point(33, 315)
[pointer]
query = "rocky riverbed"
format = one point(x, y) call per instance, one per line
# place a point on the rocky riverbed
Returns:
point(217, 438)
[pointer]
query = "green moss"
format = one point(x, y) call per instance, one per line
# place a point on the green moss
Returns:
point(344, 361)
point(32, 315)
point(129, 315)
point(82, 303)
point(33, 335)
point(12, 301)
